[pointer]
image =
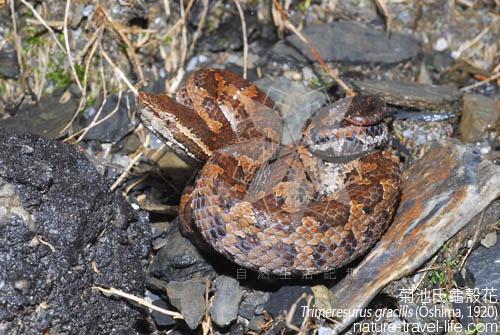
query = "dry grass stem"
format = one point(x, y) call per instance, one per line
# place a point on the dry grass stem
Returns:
point(201, 23)
point(42, 241)
point(475, 240)
point(130, 49)
point(125, 173)
point(166, 6)
point(44, 23)
point(68, 50)
point(382, 7)
point(291, 313)
point(480, 83)
point(140, 301)
point(245, 39)
point(119, 72)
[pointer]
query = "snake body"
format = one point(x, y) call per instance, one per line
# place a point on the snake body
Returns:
point(304, 208)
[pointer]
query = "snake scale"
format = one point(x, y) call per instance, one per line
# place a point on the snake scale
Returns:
point(304, 208)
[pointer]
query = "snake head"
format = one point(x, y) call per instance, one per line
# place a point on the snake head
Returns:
point(348, 129)
point(365, 110)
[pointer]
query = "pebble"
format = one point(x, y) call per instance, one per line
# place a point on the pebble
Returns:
point(162, 319)
point(257, 323)
point(226, 301)
point(252, 302)
point(189, 299)
point(489, 240)
point(441, 44)
point(480, 113)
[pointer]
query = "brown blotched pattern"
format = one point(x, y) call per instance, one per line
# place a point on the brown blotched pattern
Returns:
point(302, 209)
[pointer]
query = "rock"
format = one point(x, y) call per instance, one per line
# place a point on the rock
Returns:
point(63, 232)
point(228, 35)
point(189, 298)
point(179, 260)
point(489, 240)
point(439, 60)
point(257, 324)
point(9, 68)
point(350, 42)
point(161, 319)
point(484, 266)
point(408, 94)
point(237, 329)
point(226, 301)
point(480, 114)
point(435, 204)
point(416, 137)
point(115, 127)
point(252, 302)
point(282, 300)
point(323, 297)
point(45, 118)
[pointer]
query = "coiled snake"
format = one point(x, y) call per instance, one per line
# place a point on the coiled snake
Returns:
point(304, 208)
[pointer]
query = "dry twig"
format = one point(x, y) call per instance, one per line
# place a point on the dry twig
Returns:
point(119, 72)
point(140, 301)
point(482, 82)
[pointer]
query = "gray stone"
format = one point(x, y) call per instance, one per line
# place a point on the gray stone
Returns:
point(179, 259)
point(116, 126)
point(251, 302)
point(484, 266)
point(408, 94)
point(162, 319)
point(257, 323)
point(350, 42)
point(282, 300)
point(9, 68)
point(226, 300)
point(480, 113)
point(45, 118)
point(489, 239)
point(189, 298)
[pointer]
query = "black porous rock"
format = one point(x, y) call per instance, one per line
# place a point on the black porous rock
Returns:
point(62, 232)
